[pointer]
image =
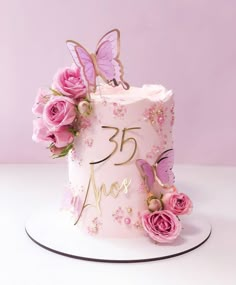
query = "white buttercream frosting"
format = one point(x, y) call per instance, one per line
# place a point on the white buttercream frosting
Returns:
point(118, 94)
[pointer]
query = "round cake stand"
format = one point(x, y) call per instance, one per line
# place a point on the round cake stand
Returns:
point(47, 229)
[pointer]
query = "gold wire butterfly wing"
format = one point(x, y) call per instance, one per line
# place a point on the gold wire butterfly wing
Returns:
point(85, 62)
point(105, 62)
point(108, 63)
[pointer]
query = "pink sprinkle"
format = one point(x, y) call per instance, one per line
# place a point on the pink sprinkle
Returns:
point(127, 221)
point(160, 119)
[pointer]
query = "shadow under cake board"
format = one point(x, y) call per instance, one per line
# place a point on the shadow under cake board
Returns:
point(45, 229)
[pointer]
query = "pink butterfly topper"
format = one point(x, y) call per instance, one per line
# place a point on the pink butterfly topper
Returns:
point(104, 63)
point(160, 172)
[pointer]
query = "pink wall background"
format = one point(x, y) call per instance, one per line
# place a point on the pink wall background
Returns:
point(188, 46)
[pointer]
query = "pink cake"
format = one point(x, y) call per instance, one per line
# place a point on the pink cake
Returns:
point(119, 146)
point(116, 191)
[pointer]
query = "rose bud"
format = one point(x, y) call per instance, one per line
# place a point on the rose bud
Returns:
point(84, 108)
point(154, 205)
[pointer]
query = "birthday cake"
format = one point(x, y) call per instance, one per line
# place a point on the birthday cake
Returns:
point(119, 144)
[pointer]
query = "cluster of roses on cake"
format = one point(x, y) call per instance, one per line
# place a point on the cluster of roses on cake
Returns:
point(60, 110)
point(161, 221)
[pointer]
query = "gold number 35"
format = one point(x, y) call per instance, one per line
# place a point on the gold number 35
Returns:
point(124, 140)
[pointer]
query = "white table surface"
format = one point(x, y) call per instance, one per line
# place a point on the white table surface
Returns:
point(24, 188)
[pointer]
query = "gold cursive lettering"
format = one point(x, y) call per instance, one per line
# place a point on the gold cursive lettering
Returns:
point(114, 191)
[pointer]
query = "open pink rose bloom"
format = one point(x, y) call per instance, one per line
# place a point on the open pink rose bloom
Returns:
point(177, 203)
point(69, 82)
point(60, 137)
point(59, 111)
point(41, 99)
point(161, 226)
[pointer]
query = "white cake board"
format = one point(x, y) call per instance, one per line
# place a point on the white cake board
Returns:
point(47, 229)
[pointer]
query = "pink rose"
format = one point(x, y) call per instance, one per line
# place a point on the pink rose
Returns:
point(41, 133)
point(59, 111)
point(177, 203)
point(162, 226)
point(69, 82)
point(42, 98)
point(60, 138)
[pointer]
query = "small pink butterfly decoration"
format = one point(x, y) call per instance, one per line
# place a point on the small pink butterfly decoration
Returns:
point(160, 171)
point(104, 63)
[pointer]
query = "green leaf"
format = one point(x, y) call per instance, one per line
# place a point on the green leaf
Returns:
point(73, 131)
point(64, 152)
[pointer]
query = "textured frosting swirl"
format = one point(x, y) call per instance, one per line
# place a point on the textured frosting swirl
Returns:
point(118, 94)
